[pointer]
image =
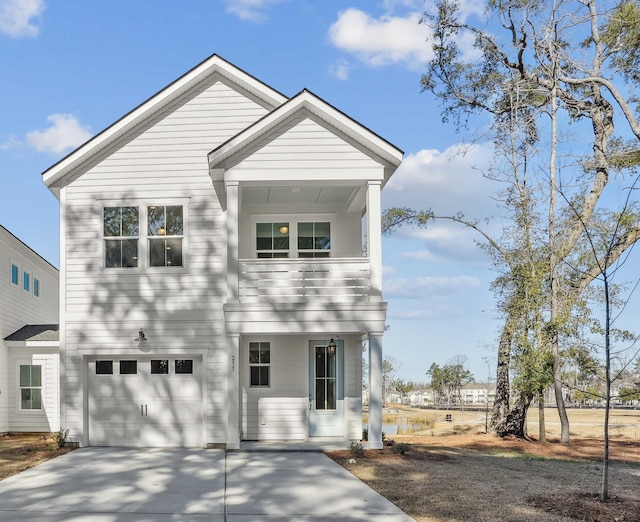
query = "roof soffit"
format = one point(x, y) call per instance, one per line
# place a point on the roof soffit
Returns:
point(56, 174)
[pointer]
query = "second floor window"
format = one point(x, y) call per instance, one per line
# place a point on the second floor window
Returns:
point(15, 274)
point(26, 281)
point(121, 226)
point(310, 239)
point(165, 228)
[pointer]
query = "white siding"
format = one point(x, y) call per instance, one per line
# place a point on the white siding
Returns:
point(307, 150)
point(18, 307)
point(47, 419)
point(163, 160)
point(280, 411)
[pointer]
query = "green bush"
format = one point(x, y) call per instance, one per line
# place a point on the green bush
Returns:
point(60, 437)
point(356, 449)
point(401, 448)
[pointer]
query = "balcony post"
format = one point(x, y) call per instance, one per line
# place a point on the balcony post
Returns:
point(374, 239)
point(233, 212)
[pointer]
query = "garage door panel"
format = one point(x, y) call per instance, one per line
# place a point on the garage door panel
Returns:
point(145, 409)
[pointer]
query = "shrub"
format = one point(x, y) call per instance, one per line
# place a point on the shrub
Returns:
point(400, 448)
point(365, 434)
point(60, 437)
point(356, 449)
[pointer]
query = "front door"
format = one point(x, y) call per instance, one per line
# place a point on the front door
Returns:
point(326, 389)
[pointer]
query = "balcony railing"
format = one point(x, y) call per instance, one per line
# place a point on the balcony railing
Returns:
point(345, 280)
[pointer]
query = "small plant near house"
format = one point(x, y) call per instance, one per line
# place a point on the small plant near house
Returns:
point(365, 434)
point(356, 449)
point(60, 437)
point(389, 442)
point(401, 449)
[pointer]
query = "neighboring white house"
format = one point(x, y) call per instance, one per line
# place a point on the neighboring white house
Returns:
point(214, 283)
point(29, 361)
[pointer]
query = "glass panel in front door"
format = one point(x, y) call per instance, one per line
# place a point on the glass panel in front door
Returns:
point(325, 378)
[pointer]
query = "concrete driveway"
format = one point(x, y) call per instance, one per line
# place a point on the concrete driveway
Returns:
point(121, 484)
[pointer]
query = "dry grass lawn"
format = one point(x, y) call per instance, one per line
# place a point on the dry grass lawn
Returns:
point(25, 450)
point(476, 477)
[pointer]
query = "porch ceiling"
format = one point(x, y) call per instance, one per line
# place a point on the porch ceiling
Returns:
point(342, 195)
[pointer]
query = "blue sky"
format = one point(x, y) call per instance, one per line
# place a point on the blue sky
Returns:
point(69, 69)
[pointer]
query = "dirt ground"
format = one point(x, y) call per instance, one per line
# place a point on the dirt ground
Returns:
point(25, 450)
point(484, 478)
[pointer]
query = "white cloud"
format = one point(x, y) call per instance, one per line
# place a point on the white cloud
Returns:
point(20, 18)
point(340, 69)
point(388, 269)
point(10, 143)
point(252, 10)
point(448, 182)
point(397, 36)
point(420, 255)
point(428, 287)
point(64, 133)
point(382, 41)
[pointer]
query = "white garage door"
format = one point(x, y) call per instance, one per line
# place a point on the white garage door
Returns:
point(136, 401)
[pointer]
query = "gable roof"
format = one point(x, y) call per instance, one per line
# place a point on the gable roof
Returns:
point(305, 101)
point(35, 332)
point(54, 176)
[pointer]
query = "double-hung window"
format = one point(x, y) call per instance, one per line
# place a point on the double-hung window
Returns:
point(30, 387)
point(259, 364)
point(314, 239)
point(293, 239)
point(161, 228)
point(272, 240)
point(165, 225)
point(121, 227)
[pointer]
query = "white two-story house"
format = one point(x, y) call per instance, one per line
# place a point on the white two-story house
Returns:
point(221, 268)
point(29, 362)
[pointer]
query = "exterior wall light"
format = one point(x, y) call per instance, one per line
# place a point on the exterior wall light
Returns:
point(141, 336)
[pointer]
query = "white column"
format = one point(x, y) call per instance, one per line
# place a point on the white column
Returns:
point(233, 207)
point(374, 239)
point(233, 393)
point(375, 391)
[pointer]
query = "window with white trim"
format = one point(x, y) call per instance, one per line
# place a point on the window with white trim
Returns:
point(15, 274)
point(259, 364)
point(30, 383)
point(165, 228)
point(314, 239)
point(310, 239)
point(121, 228)
point(272, 240)
point(26, 281)
point(36, 287)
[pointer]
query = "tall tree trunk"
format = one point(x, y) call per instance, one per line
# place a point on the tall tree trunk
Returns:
point(553, 274)
point(516, 424)
point(542, 427)
point(500, 409)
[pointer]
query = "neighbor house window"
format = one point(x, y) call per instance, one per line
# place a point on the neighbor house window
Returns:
point(121, 228)
point(272, 239)
point(36, 287)
point(259, 363)
point(30, 387)
point(15, 274)
point(314, 239)
point(165, 226)
point(25, 281)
